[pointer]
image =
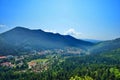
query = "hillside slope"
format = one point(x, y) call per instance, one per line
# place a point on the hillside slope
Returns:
point(26, 39)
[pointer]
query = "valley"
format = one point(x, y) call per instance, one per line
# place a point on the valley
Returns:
point(58, 66)
point(37, 55)
point(59, 39)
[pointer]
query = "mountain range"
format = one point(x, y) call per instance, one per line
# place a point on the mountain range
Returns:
point(92, 40)
point(21, 39)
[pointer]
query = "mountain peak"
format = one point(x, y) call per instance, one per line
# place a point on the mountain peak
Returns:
point(24, 38)
point(19, 27)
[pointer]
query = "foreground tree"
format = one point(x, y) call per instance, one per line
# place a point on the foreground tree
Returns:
point(81, 78)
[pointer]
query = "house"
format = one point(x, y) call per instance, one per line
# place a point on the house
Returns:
point(31, 64)
point(7, 64)
point(3, 57)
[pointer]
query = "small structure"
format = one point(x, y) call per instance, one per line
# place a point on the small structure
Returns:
point(7, 64)
point(9, 56)
point(3, 57)
point(31, 64)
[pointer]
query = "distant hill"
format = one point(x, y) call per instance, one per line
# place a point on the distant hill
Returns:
point(105, 46)
point(92, 40)
point(19, 39)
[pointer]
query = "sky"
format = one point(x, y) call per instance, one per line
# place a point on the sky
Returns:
point(83, 19)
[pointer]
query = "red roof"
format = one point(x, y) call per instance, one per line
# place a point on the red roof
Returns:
point(3, 57)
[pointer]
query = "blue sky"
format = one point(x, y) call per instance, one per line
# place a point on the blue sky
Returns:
point(92, 19)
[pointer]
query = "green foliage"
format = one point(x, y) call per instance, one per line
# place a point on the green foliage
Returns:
point(81, 78)
point(116, 72)
point(104, 66)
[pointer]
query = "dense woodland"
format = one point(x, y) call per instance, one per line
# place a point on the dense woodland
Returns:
point(104, 66)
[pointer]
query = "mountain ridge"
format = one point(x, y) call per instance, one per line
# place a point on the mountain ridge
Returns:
point(24, 38)
point(105, 46)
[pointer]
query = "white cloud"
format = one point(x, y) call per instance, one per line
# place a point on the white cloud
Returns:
point(70, 31)
point(73, 33)
point(53, 31)
point(2, 25)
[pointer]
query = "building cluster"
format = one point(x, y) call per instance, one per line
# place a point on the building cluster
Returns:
point(7, 64)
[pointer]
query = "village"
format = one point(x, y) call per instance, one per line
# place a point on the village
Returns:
point(35, 61)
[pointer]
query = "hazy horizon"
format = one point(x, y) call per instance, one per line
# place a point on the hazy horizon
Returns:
point(89, 19)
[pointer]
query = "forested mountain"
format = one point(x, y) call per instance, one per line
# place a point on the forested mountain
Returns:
point(105, 46)
point(21, 38)
point(54, 66)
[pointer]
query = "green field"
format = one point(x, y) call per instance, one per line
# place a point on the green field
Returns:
point(39, 60)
